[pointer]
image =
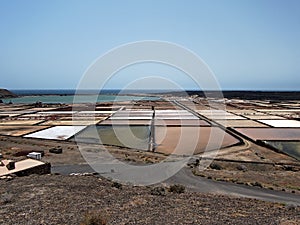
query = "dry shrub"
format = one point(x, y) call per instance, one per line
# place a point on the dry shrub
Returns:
point(94, 218)
point(161, 191)
point(177, 188)
point(117, 185)
point(215, 166)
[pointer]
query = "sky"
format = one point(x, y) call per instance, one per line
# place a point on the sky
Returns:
point(248, 44)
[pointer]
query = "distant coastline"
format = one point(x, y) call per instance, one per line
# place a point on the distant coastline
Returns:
point(244, 95)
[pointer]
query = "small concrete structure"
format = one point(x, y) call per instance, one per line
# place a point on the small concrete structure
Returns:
point(24, 167)
point(35, 155)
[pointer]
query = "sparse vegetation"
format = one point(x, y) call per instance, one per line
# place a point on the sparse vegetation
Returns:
point(56, 150)
point(161, 191)
point(242, 167)
point(293, 187)
point(55, 199)
point(94, 218)
point(116, 185)
point(215, 166)
point(257, 184)
point(277, 178)
point(177, 188)
point(6, 198)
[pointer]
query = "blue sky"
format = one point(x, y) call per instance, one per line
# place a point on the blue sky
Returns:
point(249, 44)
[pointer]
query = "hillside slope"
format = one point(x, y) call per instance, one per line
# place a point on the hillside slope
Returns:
point(56, 199)
point(4, 93)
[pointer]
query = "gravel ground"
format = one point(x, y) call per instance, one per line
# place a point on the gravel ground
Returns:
point(57, 199)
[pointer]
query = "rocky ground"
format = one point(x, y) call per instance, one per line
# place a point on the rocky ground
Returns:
point(57, 199)
point(284, 176)
point(16, 148)
point(281, 177)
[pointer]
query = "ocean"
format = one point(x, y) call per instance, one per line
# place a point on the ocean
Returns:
point(67, 96)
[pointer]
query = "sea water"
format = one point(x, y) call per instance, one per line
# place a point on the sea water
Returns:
point(78, 99)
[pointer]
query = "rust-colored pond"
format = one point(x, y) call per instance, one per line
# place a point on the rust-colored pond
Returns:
point(178, 122)
point(125, 122)
point(191, 140)
point(19, 130)
point(271, 133)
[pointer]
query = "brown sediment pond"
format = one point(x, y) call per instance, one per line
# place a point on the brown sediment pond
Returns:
point(191, 140)
point(131, 118)
point(225, 117)
point(219, 115)
point(83, 117)
point(7, 108)
point(270, 133)
point(178, 122)
point(134, 112)
point(70, 122)
point(42, 109)
point(240, 123)
point(33, 115)
point(118, 114)
point(19, 130)
point(20, 122)
point(125, 122)
point(178, 117)
point(201, 107)
point(264, 117)
point(10, 114)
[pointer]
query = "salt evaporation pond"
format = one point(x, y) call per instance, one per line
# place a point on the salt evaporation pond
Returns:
point(57, 132)
point(136, 137)
point(291, 148)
